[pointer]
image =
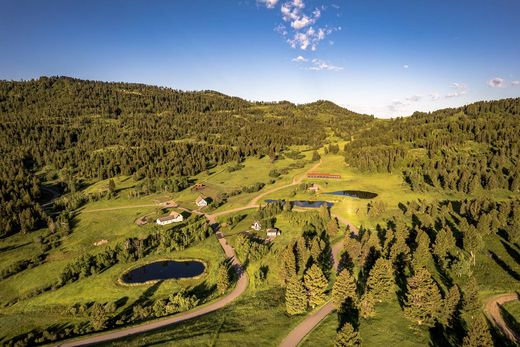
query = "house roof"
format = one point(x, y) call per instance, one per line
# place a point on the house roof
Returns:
point(273, 230)
point(166, 218)
point(200, 198)
point(174, 214)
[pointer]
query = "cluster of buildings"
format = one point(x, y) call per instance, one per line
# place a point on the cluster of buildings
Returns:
point(175, 217)
point(271, 232)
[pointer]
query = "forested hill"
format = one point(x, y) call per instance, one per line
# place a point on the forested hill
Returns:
point(96, 130)
point(464, 149)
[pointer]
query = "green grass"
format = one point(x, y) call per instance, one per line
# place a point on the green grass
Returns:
point(324, 334)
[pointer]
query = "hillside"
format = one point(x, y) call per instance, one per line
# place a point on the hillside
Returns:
point(420, 215)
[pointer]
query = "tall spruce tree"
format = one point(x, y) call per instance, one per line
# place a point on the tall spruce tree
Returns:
point(295, 296)
point(478, 333)
point(344, 287)
point(423, 301)
point(316, 284)
point(347, 337)
point(381, 282)
point(222, 278)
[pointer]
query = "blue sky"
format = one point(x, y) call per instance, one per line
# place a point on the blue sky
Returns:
point(388, 58)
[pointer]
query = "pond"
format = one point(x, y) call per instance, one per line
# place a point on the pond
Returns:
point(304, 203)
point(164, 270)
point(355, 194)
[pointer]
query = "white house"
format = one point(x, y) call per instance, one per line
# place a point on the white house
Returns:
point(173, 217)
point(256, 226)
point(273, 232)
point(201, 201)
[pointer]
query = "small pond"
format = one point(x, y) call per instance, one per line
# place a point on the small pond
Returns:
point(164, 270)
point(304, 203)
point(355, 194)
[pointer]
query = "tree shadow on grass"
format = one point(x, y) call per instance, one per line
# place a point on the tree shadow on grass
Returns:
point(143, 299)
point(511, 251)
point(504, 266)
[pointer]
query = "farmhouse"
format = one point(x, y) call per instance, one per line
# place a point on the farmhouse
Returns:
point(273, 232)
point(173, 217)
point(314, 188)
point(201, 201)
point(322, 175)
point(256, 226)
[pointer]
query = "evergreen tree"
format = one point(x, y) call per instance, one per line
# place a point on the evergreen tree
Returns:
point(478, 333)
point(295, 296)
point(366, 306)
point(289, 265)
point(315, 156)
point(423, 301)
point(451, 305)
point(344, 287)
point(111, 186)
point(347, 337)
point(222, 278)
point(381, 283)
point(316, 284)
point(471, 299)
point(422, 256)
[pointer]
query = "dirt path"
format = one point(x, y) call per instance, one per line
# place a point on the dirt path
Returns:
point(492, 311)
point(312, 320)
point(240, 288)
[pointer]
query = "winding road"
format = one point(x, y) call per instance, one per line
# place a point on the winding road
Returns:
point(312, 320)
point(240, 287)
point(492, 311)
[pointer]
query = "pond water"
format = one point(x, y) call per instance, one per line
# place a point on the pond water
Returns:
point(164, 270)
point(304, 203)
point(355, 194)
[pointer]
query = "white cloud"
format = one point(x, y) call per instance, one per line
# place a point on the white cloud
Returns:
point(515, 83)
point(300, 59)
point(320, 65)
point(435, 96)
point(405, 66)
point(414, 98)
point(496, 82)
point(268, 3)
point(300, 30)
point(460, 90)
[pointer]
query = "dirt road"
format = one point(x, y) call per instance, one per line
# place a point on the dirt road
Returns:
point(312, 320)
point(492, 311)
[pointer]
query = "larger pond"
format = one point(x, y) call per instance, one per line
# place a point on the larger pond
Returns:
point(164, 270)
point(304, 203)
point(355, 194)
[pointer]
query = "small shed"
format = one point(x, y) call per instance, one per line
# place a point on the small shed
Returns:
point(273, 232)
point(201, 201)
point(256, 226)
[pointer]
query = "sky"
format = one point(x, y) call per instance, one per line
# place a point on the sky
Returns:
point(387, 58)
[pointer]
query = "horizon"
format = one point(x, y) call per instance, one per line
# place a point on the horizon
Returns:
point(259, 101)
point(372, 58)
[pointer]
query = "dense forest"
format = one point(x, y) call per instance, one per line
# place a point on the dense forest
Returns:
point(463, 149)
point(94, 130)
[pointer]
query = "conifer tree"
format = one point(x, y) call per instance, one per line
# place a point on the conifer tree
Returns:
point(344, 287)
point(381, 282)
point(422, 255)
point(289, 267)
point(315, 156)
point(423, 302)
point(316, 284)
point(471, 299)
point(347, 337)
point(222, 278)
point(478, 333)
point(451, 305)
point(295, 296)
point(366, 306)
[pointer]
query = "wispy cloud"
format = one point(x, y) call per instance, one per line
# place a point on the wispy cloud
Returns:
point(300, 59)
point(268, 3)
point(515, 83)
point(398, 105)
point(435, 96)
point(405, 66)
point(460, 90)
point(496, 82)
point(319, 65)
point(300, 29)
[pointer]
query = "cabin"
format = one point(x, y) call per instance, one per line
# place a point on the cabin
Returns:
point(273, 232)
point(314, 188)
point(173, 217)
point(201, 201)
point(323, 175)
point(256, 226)
point(198, 186)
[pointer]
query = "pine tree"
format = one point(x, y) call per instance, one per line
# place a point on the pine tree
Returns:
point(295, 296)
point(423, 302)
point(478, 333)
point(222, 279)
point(471, 299)
point(316, 284)
point(347, 337)
point(315, 156)
point(451, 305)
point(381, 282)
point(344, 287)
point(422, 255)
point(366, 306)
point(111, 186)
point(289, 267)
